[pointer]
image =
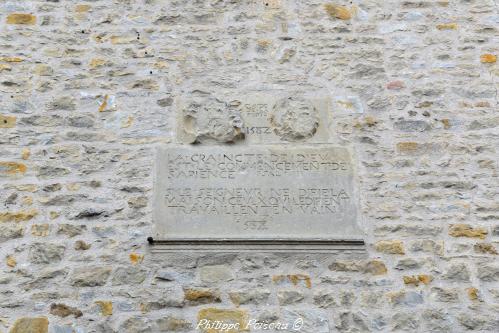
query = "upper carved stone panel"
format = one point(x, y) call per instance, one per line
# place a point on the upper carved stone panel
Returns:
point(258, 118)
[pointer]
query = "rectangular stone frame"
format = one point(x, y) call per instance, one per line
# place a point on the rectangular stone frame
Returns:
point(162, 242)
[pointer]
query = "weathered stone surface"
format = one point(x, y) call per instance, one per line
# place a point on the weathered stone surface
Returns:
point(71, 230)
point(128, 275)
point(368, 298)
point(444, 294)
point(344, 105)
point(210, 119)
point(466, 230)
point(40, 230)
point(59, 200)
point(485, 248)
point(134, 324)
point(325, 299)
point(405, 321)
point(294, 279)
point(21, 18)
point(171, 298)
point(347, 321)
point(81, 246)
point(270, 118)
point(408, 230)
point(106, 307)
point(90, 276)
point(62, 103)
point(136, 258)
point(347, 298)
point(294, 119)
point(11, 261)
point(488, 58)
point(412, 126)
point(346, 266)
point(45, 253)
point(417, 279)
point(18, 216)
point(52, 171)
point(437, 320)
point(286, 297)
point(11, 59)
point(252, 296)
point(52, 187)
point(472, 293)
point(375, 267)
point(237, 318)
point(447, 26)
point(395, 85)
point(215, 273)
point(7, 121)
point(339, 12)
point(457, 272)
point(196, 296)
point(171, 275)
point(30, 325)
point(183, 193)
point(427, 246)
point(138, 202)
point(44, 277)
point(62, 329)
point(477, 322)
point(90, 213)
point(10, 232)
point(488, 273)
point(5, 67)
point(63, 310)
point(408, 263)
point(173, 324)
point(408, 298)
point(311, 320)
point(89, 90)
point(391, 247)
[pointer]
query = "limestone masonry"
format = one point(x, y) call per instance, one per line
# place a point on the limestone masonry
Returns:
point(91, 90)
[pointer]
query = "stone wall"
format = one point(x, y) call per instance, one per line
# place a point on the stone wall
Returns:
point(90, 88)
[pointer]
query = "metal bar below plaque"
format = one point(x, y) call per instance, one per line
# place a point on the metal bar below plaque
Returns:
point(260, 245)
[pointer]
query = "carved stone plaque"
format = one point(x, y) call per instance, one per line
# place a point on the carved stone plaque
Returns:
point(255, 119)
point(261, 193)
point(266, 119)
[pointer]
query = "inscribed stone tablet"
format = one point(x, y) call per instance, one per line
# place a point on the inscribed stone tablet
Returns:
point(265, 192)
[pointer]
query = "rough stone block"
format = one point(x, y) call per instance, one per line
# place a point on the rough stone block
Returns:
point(91, 276)
point(30, 325)
point(106, 307)
point(21, 18)
point(390, 247)
point(7, 121)
point(19, 216)
point(488, 58)
point(237, 319)
point(12, 169)
point(466, 230)
point(339, 12)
